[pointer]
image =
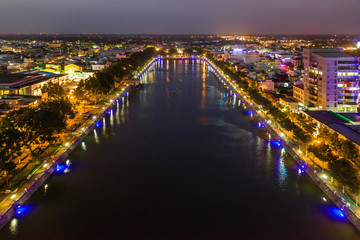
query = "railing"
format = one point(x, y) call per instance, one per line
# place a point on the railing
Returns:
point(347, 206)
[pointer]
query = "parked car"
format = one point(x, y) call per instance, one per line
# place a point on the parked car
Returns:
point(74, 127)
point(85, 115)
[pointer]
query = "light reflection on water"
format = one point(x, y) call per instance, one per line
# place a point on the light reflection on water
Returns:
point(112, 118)
point(97, 139)
point(83, 146)
point(104, 126)
point(240, 171)
point(14, 226)
point(118, 113)
point(281, 170)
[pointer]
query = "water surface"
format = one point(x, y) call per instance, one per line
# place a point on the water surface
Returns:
point(179, 160)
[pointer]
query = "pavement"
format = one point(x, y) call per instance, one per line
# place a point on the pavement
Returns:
point(325, 178)
point(8, 198)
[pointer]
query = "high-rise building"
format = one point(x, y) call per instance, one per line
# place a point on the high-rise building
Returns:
point(331, 80)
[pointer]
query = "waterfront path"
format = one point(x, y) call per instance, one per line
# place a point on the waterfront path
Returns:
point(11, 200)
point(337, 196)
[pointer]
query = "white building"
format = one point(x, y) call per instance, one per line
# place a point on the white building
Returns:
point(331, 80)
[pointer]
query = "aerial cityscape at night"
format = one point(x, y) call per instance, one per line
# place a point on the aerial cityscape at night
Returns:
point(179, 120)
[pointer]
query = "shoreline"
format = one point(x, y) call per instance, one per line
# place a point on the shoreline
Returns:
point(335, 198)
point(36, 183)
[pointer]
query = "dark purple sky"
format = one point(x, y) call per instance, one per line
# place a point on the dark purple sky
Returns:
point(180, 16)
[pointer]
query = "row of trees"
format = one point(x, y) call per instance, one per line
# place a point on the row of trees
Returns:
point(29, 128)
point(258, 97)
point(104, 81)
point(342, 156)
point(32, 128)
point(187, 51)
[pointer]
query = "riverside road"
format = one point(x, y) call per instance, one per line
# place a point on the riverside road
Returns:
point(180, 159)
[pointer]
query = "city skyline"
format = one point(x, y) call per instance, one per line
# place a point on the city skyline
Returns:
point(193, 119)
point(181, 17)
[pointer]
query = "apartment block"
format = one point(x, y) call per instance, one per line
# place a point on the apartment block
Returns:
point(331, 80)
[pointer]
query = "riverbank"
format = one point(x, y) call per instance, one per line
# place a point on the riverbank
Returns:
point(333, 194)
point(13, 202)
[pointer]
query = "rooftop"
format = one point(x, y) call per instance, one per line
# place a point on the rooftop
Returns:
point(301, 86)
point(332, 54)
point(346, 124)
point(289, 100)
point(20, 80)
point(11, 78)
point(326, 117)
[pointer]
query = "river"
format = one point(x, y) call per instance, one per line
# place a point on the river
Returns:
point(179, 159)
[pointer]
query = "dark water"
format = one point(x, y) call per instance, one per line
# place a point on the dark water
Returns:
point(179, 160)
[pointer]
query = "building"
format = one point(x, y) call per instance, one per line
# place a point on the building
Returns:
point(54, 67)
point(268, 64)
point(297, 62)
point(26, 83)
point(331, 80)
point(267, 85)
point(290, 103)
point(72, 68)
point(298, 92)
point(97, 67)
point(347, 125)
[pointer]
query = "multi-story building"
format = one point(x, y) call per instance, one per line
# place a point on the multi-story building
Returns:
point(27, 83)
point(331, 80)
point(268, 64)
point(298, 92)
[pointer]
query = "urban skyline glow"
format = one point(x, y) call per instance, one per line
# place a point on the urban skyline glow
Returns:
point(176, 17)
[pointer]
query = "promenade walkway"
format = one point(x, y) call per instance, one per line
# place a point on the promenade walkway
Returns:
point(9, 201)
point(350, 209)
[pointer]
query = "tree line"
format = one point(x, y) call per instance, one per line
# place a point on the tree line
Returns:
point(342, 156)
point(31, 128)
point(103, 82)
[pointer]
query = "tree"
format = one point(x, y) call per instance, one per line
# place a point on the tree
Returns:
point(322, 151)
point(104, 81)
point(54, 90)
point(10, 146)
point(36, 126)
point(42, 65)
point(291, 67)
point(346, 173)
point(80, 89)
point(349, 151)
point(189, 51)
point(309, 126)
point(172, 51)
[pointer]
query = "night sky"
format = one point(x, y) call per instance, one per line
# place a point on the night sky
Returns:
point(181, 16)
